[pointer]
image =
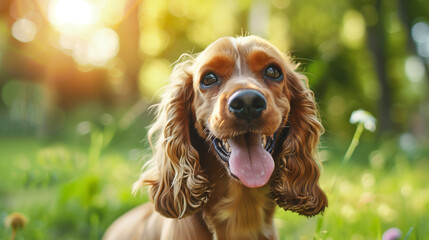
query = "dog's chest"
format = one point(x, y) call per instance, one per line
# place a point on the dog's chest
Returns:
point(242, 213)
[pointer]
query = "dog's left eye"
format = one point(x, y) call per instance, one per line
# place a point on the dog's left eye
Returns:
point(209, 79)
point(273, 73)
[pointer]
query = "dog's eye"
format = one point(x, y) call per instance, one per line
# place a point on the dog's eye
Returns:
point(209, 79)
point(273, 73)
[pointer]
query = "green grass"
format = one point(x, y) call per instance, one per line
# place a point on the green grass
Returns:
point(73, 189)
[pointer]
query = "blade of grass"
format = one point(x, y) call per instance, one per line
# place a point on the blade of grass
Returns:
point(410, 231)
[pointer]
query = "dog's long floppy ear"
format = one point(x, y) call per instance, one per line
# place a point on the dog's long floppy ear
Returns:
point(295, 187)
point(177, 185)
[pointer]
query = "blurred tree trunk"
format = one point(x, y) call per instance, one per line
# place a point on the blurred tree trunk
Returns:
point(376, 43)
point(129, 54)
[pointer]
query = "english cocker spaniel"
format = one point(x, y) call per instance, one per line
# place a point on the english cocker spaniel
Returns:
point(236, 134)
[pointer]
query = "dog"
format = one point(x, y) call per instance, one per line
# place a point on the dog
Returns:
point(236, 133)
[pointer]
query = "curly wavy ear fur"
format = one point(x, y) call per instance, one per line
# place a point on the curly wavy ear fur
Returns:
point(295, 186)
point(177, 185)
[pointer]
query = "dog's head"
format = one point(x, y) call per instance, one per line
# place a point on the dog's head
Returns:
point(243, 96)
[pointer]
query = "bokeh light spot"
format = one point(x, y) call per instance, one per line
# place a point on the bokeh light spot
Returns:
point(348, 213)
point(106, 119)
point(420, 32)
point(353, 29)
point(406, 190)
point(368, 180)
point(407, 142)
point(414, 69)
point(84, 127)
point(377, 159)
point(104, 45)
point(24, 30)
point(386, 212)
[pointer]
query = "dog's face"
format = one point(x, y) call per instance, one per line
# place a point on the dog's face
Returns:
point(259, 119)
point(241, 102)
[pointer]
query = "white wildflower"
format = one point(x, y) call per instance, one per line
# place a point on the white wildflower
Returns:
point(364, 117)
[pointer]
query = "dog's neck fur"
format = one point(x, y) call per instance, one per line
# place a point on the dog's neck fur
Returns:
point(235, 211)
point(241, 214)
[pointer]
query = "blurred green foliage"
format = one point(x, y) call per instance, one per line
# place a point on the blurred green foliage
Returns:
point(72, 131)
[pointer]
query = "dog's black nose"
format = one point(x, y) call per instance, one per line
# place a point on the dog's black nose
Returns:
point(247, 104)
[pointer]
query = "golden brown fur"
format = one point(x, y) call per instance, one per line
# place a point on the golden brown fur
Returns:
point(193, 192)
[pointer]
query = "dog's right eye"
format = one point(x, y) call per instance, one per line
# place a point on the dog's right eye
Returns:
point(209, 79)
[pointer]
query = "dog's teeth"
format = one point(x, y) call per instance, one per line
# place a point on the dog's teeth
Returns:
point(264, 141)
point(227, 147)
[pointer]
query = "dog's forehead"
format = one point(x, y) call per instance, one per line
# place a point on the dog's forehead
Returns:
point(239, 46)
point(222, 46)
point(238, 49)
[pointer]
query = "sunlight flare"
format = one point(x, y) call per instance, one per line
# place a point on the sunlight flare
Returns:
point(64, 14)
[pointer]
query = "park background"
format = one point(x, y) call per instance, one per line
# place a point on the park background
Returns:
point(77, 78)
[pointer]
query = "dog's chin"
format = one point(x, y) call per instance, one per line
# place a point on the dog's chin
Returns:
point(248, 157)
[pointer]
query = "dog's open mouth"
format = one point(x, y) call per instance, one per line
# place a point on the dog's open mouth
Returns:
point(249, 157)
point(223, 148)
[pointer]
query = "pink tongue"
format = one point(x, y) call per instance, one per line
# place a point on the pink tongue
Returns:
point(249, 161)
